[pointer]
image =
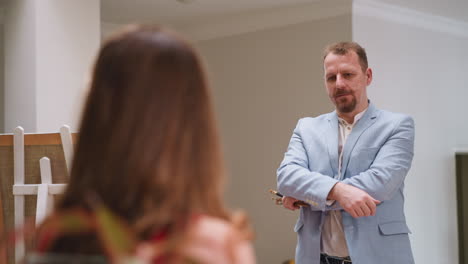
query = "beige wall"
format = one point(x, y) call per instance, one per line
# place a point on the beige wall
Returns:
point(263, 82)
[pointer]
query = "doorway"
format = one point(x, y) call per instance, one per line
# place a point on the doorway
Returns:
point(462, 205)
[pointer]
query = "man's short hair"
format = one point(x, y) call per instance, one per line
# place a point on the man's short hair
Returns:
point(342, 48)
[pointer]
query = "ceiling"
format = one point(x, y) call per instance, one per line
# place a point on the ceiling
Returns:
point(163, 11)
point(166, 11)
point(455, 9)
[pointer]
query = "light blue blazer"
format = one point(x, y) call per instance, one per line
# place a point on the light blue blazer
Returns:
point(376, 158)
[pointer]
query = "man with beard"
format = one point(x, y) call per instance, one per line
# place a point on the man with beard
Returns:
point(349, 166)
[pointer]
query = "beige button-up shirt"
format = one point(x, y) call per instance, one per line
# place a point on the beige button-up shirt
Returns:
point(333, 237)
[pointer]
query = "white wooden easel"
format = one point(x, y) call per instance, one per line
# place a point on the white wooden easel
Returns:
point(44, 191)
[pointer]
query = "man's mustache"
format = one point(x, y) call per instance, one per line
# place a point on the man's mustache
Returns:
point(340, 93)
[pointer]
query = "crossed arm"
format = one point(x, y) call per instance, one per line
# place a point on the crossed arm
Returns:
point(351, 199)
point(359, 194)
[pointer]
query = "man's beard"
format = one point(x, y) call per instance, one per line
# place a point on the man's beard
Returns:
point(344, 105)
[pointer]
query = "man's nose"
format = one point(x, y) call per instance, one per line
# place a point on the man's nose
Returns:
point(339, 81)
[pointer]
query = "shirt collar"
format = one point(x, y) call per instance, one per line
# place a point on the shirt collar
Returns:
point(356, 118)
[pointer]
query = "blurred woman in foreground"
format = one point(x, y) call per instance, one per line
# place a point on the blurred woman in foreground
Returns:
point(149, 150)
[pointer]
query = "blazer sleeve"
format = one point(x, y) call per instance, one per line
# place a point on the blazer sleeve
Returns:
point(296, 180)
point(391, 164)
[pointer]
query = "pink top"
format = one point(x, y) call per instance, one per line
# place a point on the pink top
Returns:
point(210, 241)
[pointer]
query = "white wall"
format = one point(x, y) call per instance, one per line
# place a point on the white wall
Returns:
point(49, 48)
point(263, 82)
point(422, 72)
point(68, 38)
point(20, 64)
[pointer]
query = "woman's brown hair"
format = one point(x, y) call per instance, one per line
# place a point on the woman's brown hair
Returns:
point(148, 146)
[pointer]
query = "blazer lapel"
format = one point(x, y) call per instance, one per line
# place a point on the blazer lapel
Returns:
point(331, 135)
point(368, 119)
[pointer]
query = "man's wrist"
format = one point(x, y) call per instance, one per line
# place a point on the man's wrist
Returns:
point(333, 194)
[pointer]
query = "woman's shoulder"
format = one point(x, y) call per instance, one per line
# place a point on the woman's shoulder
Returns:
point(215, 240)
point(215, 232)
point(210, 226)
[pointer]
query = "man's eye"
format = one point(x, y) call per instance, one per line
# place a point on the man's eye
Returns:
point(347, 75)
point(331, 78)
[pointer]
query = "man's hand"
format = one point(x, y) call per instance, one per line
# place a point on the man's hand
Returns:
point(353, 200)
point(288, 203)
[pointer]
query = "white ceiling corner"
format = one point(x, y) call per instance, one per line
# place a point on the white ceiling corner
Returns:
point(410, 17)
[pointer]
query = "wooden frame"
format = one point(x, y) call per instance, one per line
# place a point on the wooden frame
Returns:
point(462, 205)
point(22, 146)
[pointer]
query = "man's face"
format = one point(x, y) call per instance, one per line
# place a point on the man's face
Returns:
point(346, 82)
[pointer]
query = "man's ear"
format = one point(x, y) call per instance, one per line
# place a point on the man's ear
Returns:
point(369, 76)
